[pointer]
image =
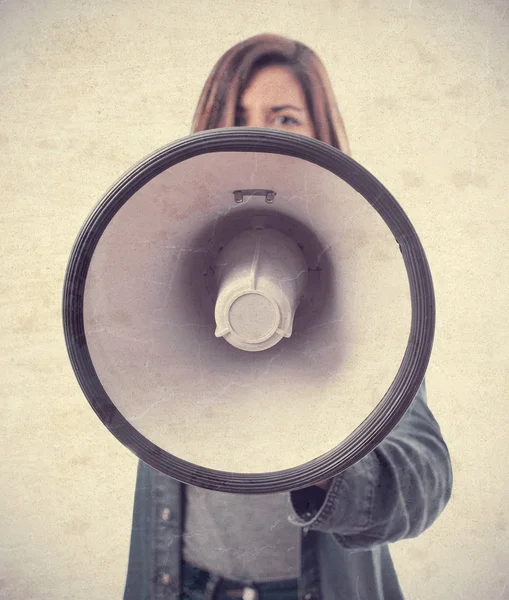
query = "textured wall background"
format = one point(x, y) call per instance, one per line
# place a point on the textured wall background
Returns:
point(88, 88)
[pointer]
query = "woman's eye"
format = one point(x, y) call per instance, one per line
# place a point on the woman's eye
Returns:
point(286, 120)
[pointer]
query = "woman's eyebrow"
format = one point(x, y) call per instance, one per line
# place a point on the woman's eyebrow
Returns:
point(285, 106)
point(240, 108)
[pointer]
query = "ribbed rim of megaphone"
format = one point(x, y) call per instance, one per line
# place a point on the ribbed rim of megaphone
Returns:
point(391, 407)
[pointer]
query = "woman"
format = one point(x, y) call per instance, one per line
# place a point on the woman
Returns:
point(329, 541)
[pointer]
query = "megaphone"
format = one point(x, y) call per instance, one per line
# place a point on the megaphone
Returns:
point(248, 310)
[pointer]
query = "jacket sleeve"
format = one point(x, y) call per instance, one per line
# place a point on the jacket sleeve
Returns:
point(395, 492)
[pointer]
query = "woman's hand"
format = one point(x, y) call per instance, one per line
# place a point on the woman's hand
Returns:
point(325, 485)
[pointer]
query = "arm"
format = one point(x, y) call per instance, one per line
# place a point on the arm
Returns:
point(395, 492)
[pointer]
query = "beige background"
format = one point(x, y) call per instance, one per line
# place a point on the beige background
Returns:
point(88, 88)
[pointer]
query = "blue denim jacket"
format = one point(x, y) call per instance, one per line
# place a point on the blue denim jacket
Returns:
point(395, 492)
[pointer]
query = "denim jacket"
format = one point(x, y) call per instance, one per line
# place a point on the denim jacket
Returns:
point(395, 492)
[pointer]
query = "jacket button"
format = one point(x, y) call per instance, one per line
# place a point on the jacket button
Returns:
point(308, 597)
point(249, 593)
point(166, 514)
point(305, 530)
point(165, 579)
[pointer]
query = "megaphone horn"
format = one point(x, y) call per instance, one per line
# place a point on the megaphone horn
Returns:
point(249, 310)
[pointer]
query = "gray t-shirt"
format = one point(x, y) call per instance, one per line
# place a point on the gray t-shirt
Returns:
point(241, 537)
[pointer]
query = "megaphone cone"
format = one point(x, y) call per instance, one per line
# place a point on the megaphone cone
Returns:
point(249, 310)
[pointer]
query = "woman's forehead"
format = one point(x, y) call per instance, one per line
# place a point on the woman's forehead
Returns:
point(273, 86)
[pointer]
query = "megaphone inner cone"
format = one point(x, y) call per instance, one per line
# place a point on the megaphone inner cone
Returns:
point(261, 281)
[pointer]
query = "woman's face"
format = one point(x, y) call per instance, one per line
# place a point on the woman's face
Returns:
point(274, 99)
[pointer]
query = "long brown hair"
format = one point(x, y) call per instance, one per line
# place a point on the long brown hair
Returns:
point(235, 69)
